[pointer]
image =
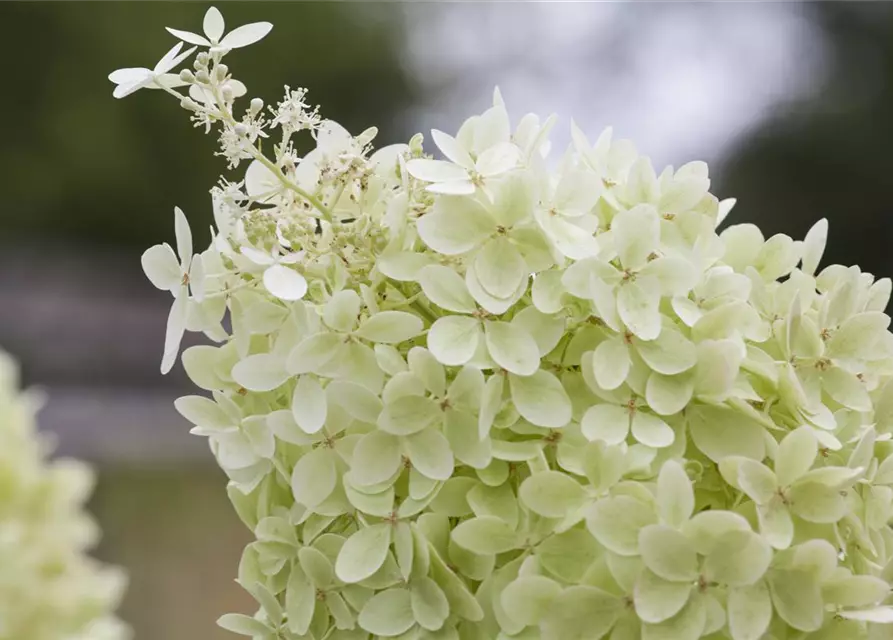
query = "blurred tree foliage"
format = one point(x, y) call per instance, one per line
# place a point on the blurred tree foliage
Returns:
point(82, 167)
point(831, 156)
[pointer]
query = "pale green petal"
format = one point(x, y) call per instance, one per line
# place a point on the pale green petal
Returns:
point(816, 502)
point(667, 395)
point(453, 340)
point(657, 599)
point(388, 613)
point(300, 601)
point(615, 523)
point(551, 494)
point(491, 404)
point(797, 598)
point(670, 353)
point(341, 311)
point(456, 225)
point(608, 423)
point(795, 455)
point(675, 275)
point(818, 557)
point(313, 478)
point(846, 389)
point(547, 291)
point(675, 495)
point(461, 430)
point(881, 615)
point(162, 267)
point(204, 412)
point(706, 528)
point(776, 524)
point(316, 566)
point(637, 307)
point(409, 414)
point(541, 399)
point(308, 404)
point(423, 364)
point(580, 613)
point(446, 288)
point(688, 624)
point(317, 354)
point(363, 553)
point(403, 266)
point(651, 430)
point(750, 611)
point(668, 554)
point(720, 432)
point(376, 458)
point(857, 337)
point(855, 591)
point(260, 372)
point(757, 481)
point(636, 235)
point(430, 607)
point(499, 267)
point(451, 499)
point(528, 598)
point(495, 501)
point(512, 348)
point(243, 625)
point(466, 389)
point(496, 306)
point(487, 535)
point(740, 558)
point(546, 329)
point(611, 363)
point(390, 327)
point(429, 452)
point(358, 401)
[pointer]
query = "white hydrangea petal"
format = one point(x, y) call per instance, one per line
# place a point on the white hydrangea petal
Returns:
point(446, 288)
point(409, 414)
point(636, 234)
point(313, 478)
point(213, 24)
point(675, 276)
point(260, 181)
point(188, 36)
point(776, 524)
point(455, 225)
point(611, 363)
point(452, 188)
point(880, 615)
point(357, 400)
point(161, 267)
point(260, 372)
point(284, 283)
point(486, 535)
point(670, 353)
point(390, 327)
point(668, 554)
point(452, 149)
point(546, 329)
point(551, 494)
point(245, 35)
point(184, 237)
point(461, 430)
point(529, 598)
point(176, 327)
point(430, 606)
point(608, 423)
point(581, 611)
point(667, 395)
point(720, 432)
point(453, 340)
point(424, 365)
point(512, 348)
point(651, 431)
point(688, 624)
point(315, 353)
point(814, 246)
point(363, 553)
point(342, 310)
point(796, 453)
point(739, 559)
point(541, 399)
point(490, 129)
point(499, 267)
point(615, 522)
point(498, 159)
point(657, 599)
point(429, 452)
point(491, 403)
point(309, 404)
point(638, 308)
point(846, 389)
point(436, 171)
point(815, 502)
point(675, 494)
point(496, 306)
point(376, 457)
point(749, 611)
point(797, 599)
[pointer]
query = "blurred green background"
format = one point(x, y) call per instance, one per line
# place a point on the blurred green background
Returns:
point(792, 104)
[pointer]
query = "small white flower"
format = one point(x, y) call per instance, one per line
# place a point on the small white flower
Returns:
point(282, 282)
point(135, 78)
point(213, 27)
point(167, 273)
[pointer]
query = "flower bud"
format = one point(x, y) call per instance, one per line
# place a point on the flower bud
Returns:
point(256, 105)
point(240, 129)
point(202, 58)
point(220, 72)
point(227, 92)
point(187, 76)
point(202, 77)
point(189, 104)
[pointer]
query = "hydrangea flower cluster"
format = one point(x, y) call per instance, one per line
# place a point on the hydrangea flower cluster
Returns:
point(49, 588)
point(488, 397)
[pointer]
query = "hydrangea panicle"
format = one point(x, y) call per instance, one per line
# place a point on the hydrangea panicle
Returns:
point(480, 396)
point(49, 588)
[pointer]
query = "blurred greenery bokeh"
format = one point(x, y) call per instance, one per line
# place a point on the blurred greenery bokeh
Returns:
point(92, 176)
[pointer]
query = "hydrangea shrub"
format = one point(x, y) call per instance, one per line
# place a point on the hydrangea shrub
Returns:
point(49, 588)
point(492, 396)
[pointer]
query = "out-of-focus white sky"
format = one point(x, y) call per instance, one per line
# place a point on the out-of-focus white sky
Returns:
point(683, 80)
